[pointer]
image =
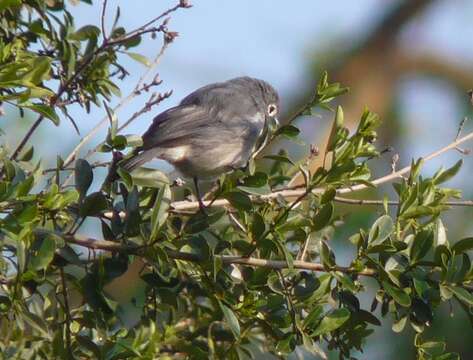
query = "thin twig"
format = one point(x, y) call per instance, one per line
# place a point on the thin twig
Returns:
point(305, 248)
point(72, 155)
point(27, 136)
point(107, 43)
point(393, 202)
point(102, 20)
point(67, 313)
point(289, 303)
point(290, 193)
point(226, 259)
point(139, 31)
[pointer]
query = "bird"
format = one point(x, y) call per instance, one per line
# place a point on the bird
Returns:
point(214, 130)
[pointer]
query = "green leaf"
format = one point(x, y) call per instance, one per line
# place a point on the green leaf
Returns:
point(421, 245)
point(381, 230)
point(289, 131)
point(140, 58)
point(328, 195)
point(231, 319)
point(463, 245)
point(160, 210)
point(399, 324)
point(345, 280)
point(322, 217)
point(337, 124)
point(462, 294)
point(280, 158)
point(27, 155)
point(239, 200)
point(443, 176)
point(93, 204)
point(46, 111)
point(397, 294)
point(83, 176)
point(85, 33)
point(5, 4)
point(332, 321)
point(257, 226)
point(40, 71)
point(148, 177)
point(88, 344)
point(258, 179)
point(314, 316)
point(43, 253)
point(326, 255)
point(263, 190)
point(113, 119)
point(36, 323)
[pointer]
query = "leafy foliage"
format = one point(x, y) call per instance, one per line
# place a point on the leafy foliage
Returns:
point(232, 283)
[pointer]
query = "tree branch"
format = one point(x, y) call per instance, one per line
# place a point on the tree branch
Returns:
point(106, 43)
point(226, 259)
point(27, 136)
point(290, 193)
point(134, 93)
point(393, 202)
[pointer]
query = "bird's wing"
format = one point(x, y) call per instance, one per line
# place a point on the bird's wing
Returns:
point(175, 123)
point(194, 123)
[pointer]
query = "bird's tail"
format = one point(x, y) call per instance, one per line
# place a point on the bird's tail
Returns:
point(136, 160)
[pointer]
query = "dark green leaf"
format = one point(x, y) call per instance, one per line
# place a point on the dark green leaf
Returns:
point(93, 205)
point(239, 200)
point(160, 210)
point(381, 230)
point(85, 33)
point(463, 245)
point(446, 175)
point(288, 131)
point(43, 253)
point(258, 179)
point(399, 296)
point(148, 177)
point(462, 294)
point(322, 217)
point(332, 321)
point(83, 176)
point(231, 319)
point(46, 111)
point(421, 245)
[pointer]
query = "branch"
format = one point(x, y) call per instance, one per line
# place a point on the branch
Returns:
point(226, 259)
point(144, 28)
point(134, 93)
point(290, 193)
point(27, 136)
point(102, 20)
point(106, 43)
point(393, 202)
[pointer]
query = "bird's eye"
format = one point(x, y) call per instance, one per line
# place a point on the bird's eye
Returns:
point(272, 109)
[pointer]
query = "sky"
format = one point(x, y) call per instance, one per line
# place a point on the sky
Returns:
point(272, 40)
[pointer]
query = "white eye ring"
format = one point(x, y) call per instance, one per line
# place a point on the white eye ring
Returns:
point(272, 110)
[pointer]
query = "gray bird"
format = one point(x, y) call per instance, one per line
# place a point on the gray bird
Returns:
point(214, 130)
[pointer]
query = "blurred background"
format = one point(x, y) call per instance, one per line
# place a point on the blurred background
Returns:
point(409, 61)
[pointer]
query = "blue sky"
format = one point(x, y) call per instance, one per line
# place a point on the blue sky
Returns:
point(275, 41)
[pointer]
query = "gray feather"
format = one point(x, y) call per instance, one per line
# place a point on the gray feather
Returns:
point(213, 130)
point(138, 160)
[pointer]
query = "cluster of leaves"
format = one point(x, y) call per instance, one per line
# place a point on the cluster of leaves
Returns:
point(197, 302)
point(46, 64)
